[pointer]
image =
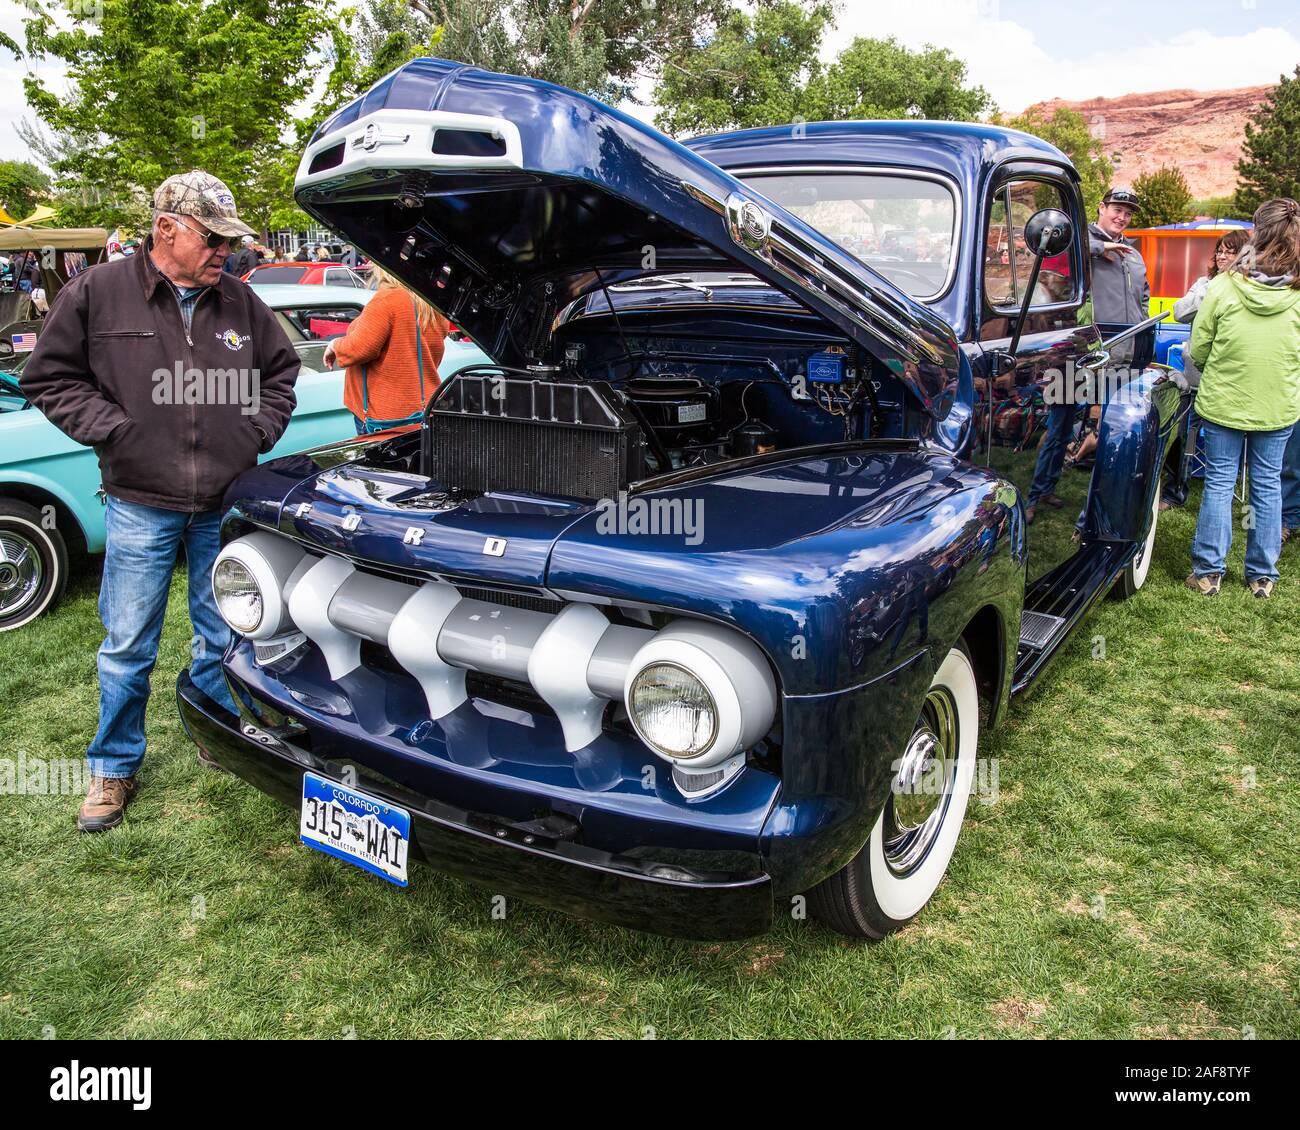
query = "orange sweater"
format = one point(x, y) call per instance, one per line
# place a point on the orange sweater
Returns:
point(383, 339)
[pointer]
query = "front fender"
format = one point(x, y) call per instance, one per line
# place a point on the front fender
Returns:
point(1136, 428)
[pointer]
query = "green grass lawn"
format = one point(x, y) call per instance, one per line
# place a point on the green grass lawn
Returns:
point(1136, 877)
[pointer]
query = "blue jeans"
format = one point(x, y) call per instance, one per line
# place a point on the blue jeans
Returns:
point(138, 562)
point(1222, 450)
point(1291, 481)
point(1051, 452)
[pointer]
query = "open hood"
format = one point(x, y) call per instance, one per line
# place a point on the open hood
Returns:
point(502, 199)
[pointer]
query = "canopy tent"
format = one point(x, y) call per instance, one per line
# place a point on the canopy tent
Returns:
point(59, 254)
point(91, 241)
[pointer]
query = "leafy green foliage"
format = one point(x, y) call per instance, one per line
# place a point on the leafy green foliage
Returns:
point(599, 48)
point(1270, 161)
point(1165, 197)
point(22, 186)
point(1069, 132)
point(1220, 208)
point(762, 68)
point(161, 86)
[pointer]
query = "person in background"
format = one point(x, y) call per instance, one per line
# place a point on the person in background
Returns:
point(1246, 342)
point(322, 253)
point(392, 352)
point(1291, 486)
point(1119, 295)
point(1226, 250)
point(349, 257)
point(303, 255)
point(165, 461)
point(246, 258)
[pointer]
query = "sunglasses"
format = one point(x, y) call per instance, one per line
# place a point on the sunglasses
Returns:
point(212, 239)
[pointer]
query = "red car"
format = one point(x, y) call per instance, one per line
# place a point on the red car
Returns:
point(328, 274)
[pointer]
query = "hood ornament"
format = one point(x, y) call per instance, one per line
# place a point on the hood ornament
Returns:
point(374, 136)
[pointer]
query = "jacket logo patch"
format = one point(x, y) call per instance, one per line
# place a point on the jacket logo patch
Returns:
point(231, 340)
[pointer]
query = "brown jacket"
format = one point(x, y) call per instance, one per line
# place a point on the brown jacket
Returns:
point(173, 417)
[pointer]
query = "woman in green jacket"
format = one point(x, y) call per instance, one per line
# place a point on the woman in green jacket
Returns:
point(1246, 342)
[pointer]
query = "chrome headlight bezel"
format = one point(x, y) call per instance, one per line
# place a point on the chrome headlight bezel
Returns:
point(270, 560)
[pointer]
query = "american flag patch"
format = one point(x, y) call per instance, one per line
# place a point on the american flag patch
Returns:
point(24, 343)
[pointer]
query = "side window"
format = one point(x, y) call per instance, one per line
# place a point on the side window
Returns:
point(1008, 263)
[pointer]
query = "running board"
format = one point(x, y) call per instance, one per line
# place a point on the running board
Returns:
point(1057, 602)
point(1037, 629)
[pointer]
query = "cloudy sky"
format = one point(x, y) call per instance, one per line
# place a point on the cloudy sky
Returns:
point(1021, 51)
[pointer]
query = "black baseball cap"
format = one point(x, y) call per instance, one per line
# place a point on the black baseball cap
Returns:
point(1121, 196)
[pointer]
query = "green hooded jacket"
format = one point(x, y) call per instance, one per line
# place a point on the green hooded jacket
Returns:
point(1246, 342)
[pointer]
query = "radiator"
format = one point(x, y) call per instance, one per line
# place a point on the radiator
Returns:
point(492, 432)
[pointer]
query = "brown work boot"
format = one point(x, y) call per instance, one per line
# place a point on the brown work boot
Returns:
point(1055, 501)
point(1031, 512)
point(105, 803)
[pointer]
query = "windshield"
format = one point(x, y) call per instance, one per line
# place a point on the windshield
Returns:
point(904, 227)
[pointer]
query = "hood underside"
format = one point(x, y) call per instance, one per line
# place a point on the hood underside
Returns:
point(503, 199)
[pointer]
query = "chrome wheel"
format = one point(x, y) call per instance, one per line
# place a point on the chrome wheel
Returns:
point(923, 786)
point(21, 574)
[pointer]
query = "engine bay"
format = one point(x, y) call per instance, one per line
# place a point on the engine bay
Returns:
point(611, 405)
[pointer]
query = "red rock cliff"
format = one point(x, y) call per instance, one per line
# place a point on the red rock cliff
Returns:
point(1201, 131)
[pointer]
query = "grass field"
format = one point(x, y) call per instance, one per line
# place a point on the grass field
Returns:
point(1136, 877)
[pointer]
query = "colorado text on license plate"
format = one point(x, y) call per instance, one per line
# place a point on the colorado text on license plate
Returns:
point(354, 826)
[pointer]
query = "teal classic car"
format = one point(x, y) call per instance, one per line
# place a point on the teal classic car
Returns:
point(51, 506)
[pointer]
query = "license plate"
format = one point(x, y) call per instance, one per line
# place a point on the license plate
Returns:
point(353, 826)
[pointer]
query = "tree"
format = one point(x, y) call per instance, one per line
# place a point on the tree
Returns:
point(763, 68)
point(1270, 161)
point(599, 48)
point(1220, 208)
point(880, 78)
point(754, 71)
point(1068, 131)
point(161, 86)
point(22, 186)
point(1165, 197)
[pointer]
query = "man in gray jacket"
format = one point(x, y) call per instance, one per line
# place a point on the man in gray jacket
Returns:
point(1120, 291)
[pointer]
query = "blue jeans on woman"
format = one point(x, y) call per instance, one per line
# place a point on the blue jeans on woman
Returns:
point(1221, 450)
point(138, 563)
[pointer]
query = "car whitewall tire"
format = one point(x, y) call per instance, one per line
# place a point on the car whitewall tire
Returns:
point(33, 565)
point(912, 842)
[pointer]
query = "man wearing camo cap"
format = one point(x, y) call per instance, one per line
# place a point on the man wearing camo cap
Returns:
point(178, 376)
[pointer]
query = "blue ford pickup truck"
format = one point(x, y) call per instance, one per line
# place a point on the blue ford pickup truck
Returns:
point(696, 602)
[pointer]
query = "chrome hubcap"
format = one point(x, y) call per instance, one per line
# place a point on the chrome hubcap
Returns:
point(20, 573)
point(922, 787)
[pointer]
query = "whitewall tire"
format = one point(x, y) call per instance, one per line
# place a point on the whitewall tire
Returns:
point(905, 858)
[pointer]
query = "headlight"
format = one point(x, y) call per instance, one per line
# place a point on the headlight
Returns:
point(251, 580)
point(239, 597)
point(673, 711)
point(699, 693)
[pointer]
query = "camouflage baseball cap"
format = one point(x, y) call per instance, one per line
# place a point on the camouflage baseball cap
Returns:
point(202, 196)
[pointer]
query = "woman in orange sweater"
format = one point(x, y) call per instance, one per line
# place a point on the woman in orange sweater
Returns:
point(391, 351)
